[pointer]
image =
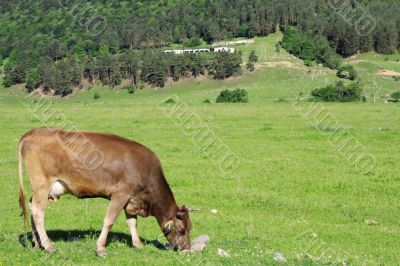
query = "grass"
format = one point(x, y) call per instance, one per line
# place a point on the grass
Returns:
point(290, 180)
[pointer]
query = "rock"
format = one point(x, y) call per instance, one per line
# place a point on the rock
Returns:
point(279, 257)
point(200, 243)
point(222, 253)
point(214, 211)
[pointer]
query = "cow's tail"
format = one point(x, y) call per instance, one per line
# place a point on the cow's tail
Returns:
point(22, 203)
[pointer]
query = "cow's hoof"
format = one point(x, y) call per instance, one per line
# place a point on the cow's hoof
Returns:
point(138, 245)
point(51, 249)
point(101, 252)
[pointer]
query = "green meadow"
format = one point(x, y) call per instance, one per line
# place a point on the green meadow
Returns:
point(293, 192)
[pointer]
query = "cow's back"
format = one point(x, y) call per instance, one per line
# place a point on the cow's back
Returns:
point(92, 164)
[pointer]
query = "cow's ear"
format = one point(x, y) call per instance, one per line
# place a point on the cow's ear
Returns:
point(182, 212)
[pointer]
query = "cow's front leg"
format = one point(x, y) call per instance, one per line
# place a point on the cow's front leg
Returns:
point(115, 207)
point(132, 222)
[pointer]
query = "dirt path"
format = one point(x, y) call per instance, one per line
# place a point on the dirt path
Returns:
point(388, 73)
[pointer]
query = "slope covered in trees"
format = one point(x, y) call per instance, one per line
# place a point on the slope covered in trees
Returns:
point(35, 35)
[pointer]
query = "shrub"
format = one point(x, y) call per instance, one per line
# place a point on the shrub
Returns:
point(364, 99)
point(235, 96)
point(338, 92)
point(96, 95)
point(396, 96)
point(32, 79)
point(7, 82)
point(253, 57)
point(130, 88)
point(207, 101)
point(308, 62)
point(117, 80)
point(278, 47)
point(281, 100)
point(193, 42)
point(347, 72)
point(250, 66)
point(170, 100)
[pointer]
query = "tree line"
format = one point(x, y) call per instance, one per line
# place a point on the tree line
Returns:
point(32, 31)
point(148, 66)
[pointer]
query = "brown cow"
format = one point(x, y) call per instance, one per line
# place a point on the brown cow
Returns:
point(88, 165)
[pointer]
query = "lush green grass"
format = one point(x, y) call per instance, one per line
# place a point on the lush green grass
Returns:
point(290, 179)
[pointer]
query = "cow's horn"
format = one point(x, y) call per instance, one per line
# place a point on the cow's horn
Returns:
point(168, 226)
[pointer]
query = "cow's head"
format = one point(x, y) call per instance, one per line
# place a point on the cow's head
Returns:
point(177, 230)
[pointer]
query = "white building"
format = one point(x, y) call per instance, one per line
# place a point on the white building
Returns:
point(200, 50)
point(249, 41)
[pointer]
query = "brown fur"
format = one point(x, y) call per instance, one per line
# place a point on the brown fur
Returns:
point(128, 171)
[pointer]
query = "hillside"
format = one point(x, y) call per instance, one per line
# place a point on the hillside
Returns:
point(58, 45)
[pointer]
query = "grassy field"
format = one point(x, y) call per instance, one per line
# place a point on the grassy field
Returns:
point(293, 192)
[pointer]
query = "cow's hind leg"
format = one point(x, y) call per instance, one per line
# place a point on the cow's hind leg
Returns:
point(35, 236)
point(38, 208)
point(117, 203)
point(40, 191)
point(132, 222)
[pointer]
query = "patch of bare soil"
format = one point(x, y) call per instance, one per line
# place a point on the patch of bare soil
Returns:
point(279, 63)
point(187, 79)
point(352, 62)
point(233, 78)
point(19, 86)
point(388, 73)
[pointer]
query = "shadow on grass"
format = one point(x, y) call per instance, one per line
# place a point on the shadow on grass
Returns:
point(76, 235)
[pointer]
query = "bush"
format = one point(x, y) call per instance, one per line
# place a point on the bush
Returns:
point(308, 62)
point(117, 80)
point(253, 57)
point(250, 66)
point(96, 95)
point(347, 72)
point(7, 82)
point(236, 96)
point(396, 96)
point(364, 99)
point(130, 88)
point(338, 92)
point(170, 101)
point(207, 101)
point(32, 79)
point(193, 42)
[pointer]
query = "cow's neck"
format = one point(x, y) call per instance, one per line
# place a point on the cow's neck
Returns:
point(164, 207)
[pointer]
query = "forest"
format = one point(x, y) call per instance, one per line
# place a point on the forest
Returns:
point(57, 44)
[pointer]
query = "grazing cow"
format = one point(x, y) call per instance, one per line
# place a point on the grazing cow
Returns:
point(89, 165)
